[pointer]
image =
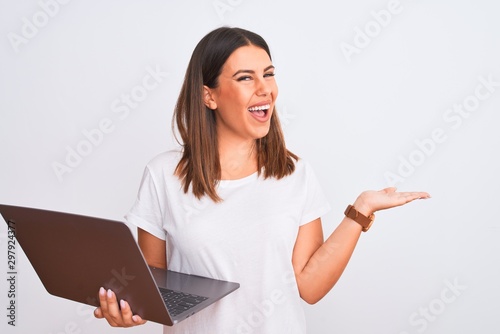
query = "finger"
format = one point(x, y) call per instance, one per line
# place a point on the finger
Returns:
point(109, 307)
point(113, 308)
point(420, 195)
point(138, 320)
point(129, 318)
point(102, 311)
point(411, 196)
point(102, 301)
point(126, 314)
point(424, 195)
point(98, 313)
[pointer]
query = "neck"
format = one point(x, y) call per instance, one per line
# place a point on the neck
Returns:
point(238, 158)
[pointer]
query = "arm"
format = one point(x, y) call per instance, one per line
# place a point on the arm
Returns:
point(318, 265)
point(121, 315)
point(153, 249)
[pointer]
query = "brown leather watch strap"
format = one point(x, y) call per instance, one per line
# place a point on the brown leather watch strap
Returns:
point(359, 218)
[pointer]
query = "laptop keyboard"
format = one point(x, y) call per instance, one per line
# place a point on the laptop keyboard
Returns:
point(178, 302)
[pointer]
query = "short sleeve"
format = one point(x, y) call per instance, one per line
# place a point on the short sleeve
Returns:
point(315, 204)
point(147, 212)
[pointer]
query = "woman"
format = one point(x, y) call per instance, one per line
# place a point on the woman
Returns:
point(236, 205)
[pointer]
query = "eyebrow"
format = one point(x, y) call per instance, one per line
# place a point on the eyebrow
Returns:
point(251, 71)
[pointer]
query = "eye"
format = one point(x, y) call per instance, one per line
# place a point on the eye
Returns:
point(269, 75)
point(245, 78)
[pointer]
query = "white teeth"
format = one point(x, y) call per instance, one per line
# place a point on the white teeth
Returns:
point(264, 107)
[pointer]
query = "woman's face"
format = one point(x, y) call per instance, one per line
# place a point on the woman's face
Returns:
point(244, 99)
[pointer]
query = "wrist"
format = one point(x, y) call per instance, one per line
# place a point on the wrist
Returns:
point(355, 215)
point(362, 207)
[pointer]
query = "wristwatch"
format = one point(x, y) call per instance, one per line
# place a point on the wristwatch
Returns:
point(359, 218)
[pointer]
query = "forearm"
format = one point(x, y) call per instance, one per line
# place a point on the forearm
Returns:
point(320, 269)
point(327, 264)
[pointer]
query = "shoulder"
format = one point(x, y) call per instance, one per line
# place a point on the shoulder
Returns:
point(305, 175)
point(303, 167)
point(165, 159)
point(301, 174)
point(162, 166)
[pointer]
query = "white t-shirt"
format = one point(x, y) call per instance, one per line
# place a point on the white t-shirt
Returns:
point(247, 238)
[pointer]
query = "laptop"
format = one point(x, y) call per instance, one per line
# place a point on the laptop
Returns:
point(75, 255)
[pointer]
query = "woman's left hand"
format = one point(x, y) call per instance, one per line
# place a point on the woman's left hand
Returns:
point(370, 201)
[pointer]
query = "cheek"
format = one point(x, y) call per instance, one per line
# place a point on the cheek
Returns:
point(274, 90)
point(230, 97)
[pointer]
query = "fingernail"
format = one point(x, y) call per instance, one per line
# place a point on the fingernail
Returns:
point(110, 293)
point(102, 292)
point(122, 303)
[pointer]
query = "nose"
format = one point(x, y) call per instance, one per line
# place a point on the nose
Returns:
point(263, 88)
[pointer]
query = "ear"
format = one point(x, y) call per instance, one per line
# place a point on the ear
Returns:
point(208, 98)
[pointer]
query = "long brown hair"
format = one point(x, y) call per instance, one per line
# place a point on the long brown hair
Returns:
point(199, 166)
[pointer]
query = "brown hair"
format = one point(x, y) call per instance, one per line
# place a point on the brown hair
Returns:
point(199, 166)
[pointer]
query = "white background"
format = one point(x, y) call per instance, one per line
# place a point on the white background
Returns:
point(357, 117)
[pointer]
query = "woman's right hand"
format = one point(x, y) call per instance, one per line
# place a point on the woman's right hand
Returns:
point(116, 315)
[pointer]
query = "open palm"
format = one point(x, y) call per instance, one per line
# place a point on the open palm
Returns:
point(387, 198)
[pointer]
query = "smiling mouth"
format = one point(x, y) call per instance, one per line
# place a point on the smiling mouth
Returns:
point(260, 111)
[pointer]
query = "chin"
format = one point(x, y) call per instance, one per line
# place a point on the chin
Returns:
point(262, 134)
